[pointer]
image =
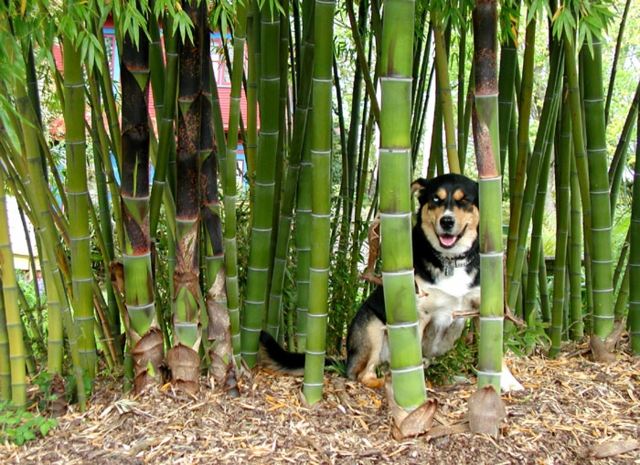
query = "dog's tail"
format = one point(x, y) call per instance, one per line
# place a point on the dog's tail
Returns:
point(275, 358)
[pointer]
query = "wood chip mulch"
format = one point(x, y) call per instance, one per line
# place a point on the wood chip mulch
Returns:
point(572, 411)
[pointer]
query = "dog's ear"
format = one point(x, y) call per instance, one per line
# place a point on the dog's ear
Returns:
point(418, 185)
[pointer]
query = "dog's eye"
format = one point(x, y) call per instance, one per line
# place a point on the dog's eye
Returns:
point(436, 200)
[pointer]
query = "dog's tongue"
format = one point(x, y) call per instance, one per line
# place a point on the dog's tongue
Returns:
point(447, 240)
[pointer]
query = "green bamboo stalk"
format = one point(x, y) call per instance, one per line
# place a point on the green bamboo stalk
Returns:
point(17, 355)
point(145, 339)
point(5, 364)
point(59, 314)
point(320, 201)
point(579, 151)
point(166, 139)
point(576, 326)
point(619, 161)
point(487, 145)
point(516, 190)
point(545, 133)
point(595, 129)
point(303, 196)
point(230, 189)
point(395, 204)
point(262, 228)
point(77, 193)
point(616, 56)
point(563, 201)
point(536, 252)
point(444, 91)
point(462, 58)
point(303, 244)
point(634, 255)
point(301, 118)
point(253, 76)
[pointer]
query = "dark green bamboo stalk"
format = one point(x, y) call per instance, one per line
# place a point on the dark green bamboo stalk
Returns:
point(563, 201)
point(145, 338)
point(262, 227)
point(395, 204)
point(303, 244)
point(229, 186)
point(634, 255)
point(253, 75)
point(14, 331)
point(601, 261)
point(576, 326)
point(487, 145)
point(320, 201)
point(183, 358)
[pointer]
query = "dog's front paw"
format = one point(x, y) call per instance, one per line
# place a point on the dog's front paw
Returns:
point(472, 299)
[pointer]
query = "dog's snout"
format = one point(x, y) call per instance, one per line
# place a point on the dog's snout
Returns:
point(447, 222)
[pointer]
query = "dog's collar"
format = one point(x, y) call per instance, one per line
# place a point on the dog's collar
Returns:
point(449, 265)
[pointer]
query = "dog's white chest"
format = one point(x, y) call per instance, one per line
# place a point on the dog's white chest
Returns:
point(457, 284)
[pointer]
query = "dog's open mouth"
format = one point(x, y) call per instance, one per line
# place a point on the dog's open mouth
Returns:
point(447, 240)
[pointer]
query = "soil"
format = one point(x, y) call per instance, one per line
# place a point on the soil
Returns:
point(572, 411)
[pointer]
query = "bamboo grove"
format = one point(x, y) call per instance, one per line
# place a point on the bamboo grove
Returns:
point(161, 258)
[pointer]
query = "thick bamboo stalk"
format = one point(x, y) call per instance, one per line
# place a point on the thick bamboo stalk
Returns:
point(262, 227)
point(78, 199)
point(188, 303)
point(145, 338)
point(579, 152)
point(320, 201)
point(595, 129)
point(487, 145)
point(395, 205)
point(14, 332)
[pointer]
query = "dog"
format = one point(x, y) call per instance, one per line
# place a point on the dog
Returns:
point(447, 274)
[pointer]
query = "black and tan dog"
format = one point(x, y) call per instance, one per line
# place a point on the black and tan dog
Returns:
point(446, 261)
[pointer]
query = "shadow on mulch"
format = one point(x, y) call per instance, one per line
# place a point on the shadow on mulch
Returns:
point(571, 411)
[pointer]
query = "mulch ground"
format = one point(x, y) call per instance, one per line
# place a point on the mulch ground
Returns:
point(572, 411)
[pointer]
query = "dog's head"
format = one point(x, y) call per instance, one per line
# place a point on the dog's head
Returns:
point(448, 213)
